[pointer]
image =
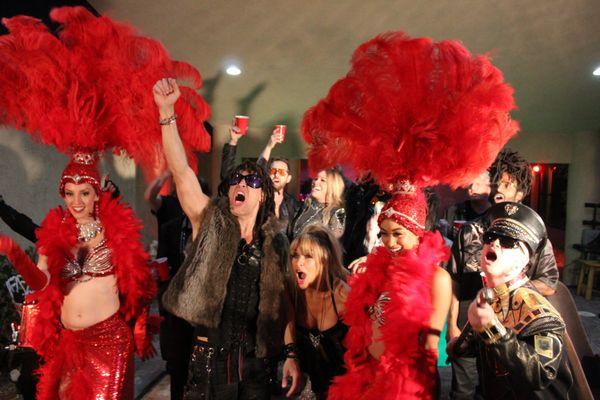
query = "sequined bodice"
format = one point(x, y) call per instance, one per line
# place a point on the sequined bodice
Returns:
point(377, 311)
point(96, 263)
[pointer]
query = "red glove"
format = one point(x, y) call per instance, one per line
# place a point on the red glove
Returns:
point(32, 275)
point(145, 327)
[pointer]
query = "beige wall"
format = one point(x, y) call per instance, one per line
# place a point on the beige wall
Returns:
point(582, 152)
point(583, 187)
point(31, 172)
point(554, 148)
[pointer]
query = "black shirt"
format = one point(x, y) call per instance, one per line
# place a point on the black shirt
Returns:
point(240, 309)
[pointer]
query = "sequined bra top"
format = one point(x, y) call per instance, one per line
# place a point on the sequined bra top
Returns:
point(97, 262)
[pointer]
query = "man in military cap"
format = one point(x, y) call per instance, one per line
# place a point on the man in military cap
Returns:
point(518, 338)
point(510, 178)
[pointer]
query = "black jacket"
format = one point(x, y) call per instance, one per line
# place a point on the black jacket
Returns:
point(464, 264)
point(20, 223)
point(530, 361)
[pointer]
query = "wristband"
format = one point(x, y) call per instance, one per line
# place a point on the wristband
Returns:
point(290, 350)
point(169, 120)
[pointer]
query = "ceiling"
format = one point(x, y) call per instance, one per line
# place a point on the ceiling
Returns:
point(293, 51)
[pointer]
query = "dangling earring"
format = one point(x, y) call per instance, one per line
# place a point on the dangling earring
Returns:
point(96, 210)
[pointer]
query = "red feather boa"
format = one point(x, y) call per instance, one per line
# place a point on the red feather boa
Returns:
point(56, 238)
point(406, 370)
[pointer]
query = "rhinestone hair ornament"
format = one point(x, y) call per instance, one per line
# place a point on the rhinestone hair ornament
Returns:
point(82, 168)
point(407, 207)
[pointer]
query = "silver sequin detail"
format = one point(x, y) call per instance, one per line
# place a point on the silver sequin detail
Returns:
point(377, 310)
point(97, 263)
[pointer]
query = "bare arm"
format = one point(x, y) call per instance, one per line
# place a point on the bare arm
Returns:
point(42, 264)
point(152, 191)
point(342, 289)
point(441, 299)
point(192, 199)
point(291, 368)
point(454, 264)
point(275, 138)
point(453, 328)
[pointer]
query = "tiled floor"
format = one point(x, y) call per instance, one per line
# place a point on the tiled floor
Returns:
point(152, 384)
point(588, 310)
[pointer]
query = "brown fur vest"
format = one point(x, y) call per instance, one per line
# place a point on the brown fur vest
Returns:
point(197, 292)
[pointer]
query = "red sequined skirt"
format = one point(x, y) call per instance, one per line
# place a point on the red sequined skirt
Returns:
point(94, 363)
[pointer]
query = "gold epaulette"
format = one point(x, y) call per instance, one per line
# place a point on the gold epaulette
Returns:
point(526, 306)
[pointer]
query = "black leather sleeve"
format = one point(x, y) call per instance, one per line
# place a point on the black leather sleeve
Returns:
point(533, 357)
point(20, 223)
point(455, 261)
point(227, 160)
point(465, 259)
point(263, 163)
point(543, 267)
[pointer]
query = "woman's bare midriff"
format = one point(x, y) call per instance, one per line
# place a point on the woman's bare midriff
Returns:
point(90, 302)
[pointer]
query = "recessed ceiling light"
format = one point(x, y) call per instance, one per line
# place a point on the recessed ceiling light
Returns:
point(233, 70)
point(596, 72)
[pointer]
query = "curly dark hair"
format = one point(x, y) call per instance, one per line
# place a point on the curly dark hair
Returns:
point(516, 166)
point(268, 206)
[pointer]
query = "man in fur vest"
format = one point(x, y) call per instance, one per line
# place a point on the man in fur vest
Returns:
point(231, 286)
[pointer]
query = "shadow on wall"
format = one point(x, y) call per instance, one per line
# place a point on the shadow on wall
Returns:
point(244, 104)
point(209, 87)
point(293, 145)
point(31, 174)
point(253, 144)
point(30, 177)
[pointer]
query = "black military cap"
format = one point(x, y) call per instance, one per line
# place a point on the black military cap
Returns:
point(517, 221)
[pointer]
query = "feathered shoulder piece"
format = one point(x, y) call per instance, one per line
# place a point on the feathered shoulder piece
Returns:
point(91, 87)
point(410, 108)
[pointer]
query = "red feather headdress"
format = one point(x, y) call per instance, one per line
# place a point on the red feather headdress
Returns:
point(91, 87)
point(412, 109)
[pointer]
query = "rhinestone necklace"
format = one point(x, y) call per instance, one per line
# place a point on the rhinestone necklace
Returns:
point(89, 230)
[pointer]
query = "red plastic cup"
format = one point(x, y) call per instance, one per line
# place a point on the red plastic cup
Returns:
point(161, 267)
point(241, 121)
point(280, 129)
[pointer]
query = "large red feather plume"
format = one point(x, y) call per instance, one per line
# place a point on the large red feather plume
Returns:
point(91, 87)
point(413, 109)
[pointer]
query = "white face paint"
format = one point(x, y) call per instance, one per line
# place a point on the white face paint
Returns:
point(501, 264)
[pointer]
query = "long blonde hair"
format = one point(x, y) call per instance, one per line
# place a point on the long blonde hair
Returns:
point(317, 241)
point(334, 198)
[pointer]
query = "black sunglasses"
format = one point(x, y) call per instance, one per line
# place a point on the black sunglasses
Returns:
point(505, 241)
point(252, 180)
